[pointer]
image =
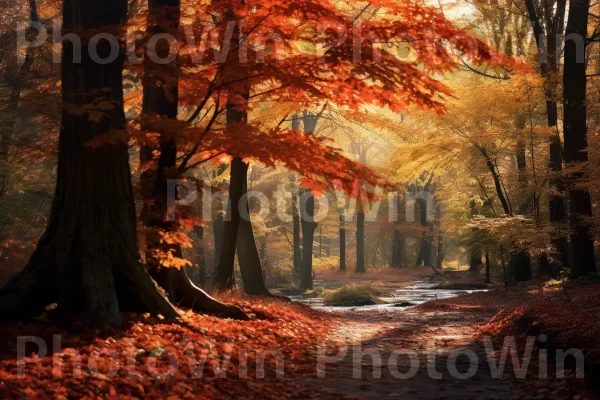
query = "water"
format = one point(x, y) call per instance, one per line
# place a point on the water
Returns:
point(416, 293)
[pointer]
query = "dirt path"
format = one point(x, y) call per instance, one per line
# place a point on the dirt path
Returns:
point(432, 336)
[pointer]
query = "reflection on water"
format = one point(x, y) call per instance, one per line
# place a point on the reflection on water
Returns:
point(416, 293)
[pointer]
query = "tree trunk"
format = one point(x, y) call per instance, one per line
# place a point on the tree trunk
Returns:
point(519, 260)
point(296, 240)
point(575, 132)
point(200, 272)
point(248, 256)
point(398, 242)
point(219, 220)
point(87, 260)
point(475, 258)
point(441, 244)
point(554, 23)
point(360, 240)
point(396, 251)
point(161, 103)
point(342, 240)
point(224, 273)
point(307, 216)
point(320, 254)
point(424, 255)
point(307, 210)
point(557, 205)
point(18, 82)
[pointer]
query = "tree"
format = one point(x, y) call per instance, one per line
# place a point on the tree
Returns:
point(552, 17)
point(342, 239)
point(583, 260)
point(307, 214)
point(159, 114)
point(87, 261)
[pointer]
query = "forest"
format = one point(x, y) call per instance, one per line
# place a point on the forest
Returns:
point(275, 199)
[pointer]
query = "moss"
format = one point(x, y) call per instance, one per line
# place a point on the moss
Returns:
point(352, 295)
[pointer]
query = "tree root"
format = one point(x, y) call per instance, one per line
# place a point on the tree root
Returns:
point(436, 271)
point(184, 293)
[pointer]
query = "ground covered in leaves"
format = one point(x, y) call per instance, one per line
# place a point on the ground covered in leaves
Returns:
point(199, 357)
point(558, 315)
point(274, 355)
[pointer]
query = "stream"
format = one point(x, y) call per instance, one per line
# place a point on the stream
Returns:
point(417, 292)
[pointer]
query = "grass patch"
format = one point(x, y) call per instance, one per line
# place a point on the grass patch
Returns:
point(352, 295)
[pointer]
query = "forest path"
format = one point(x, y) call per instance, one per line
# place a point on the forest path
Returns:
point(431, 337)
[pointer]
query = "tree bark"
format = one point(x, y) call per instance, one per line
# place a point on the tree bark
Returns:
point(519, 260)
point(224, 273)
point(87, 260)
point(342, 240)
point(307, 214)
point(296, 239)
point(426, 241)
point(248, 256)
point(441, 243)
point(475, 247)
point(360, 240)
point(398, 245)
point(575, 132)
point(360, 216)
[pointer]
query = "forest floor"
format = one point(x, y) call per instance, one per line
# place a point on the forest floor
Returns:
point(434, 333)
point(316, 353)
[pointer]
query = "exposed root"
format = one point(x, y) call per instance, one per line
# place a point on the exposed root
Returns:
point(184, 293)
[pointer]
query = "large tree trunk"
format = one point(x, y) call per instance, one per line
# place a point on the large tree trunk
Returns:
point(575, 132)
point(160, 104)
point(88, 260)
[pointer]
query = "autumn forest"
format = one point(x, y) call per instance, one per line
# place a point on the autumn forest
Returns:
point(275, 199)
